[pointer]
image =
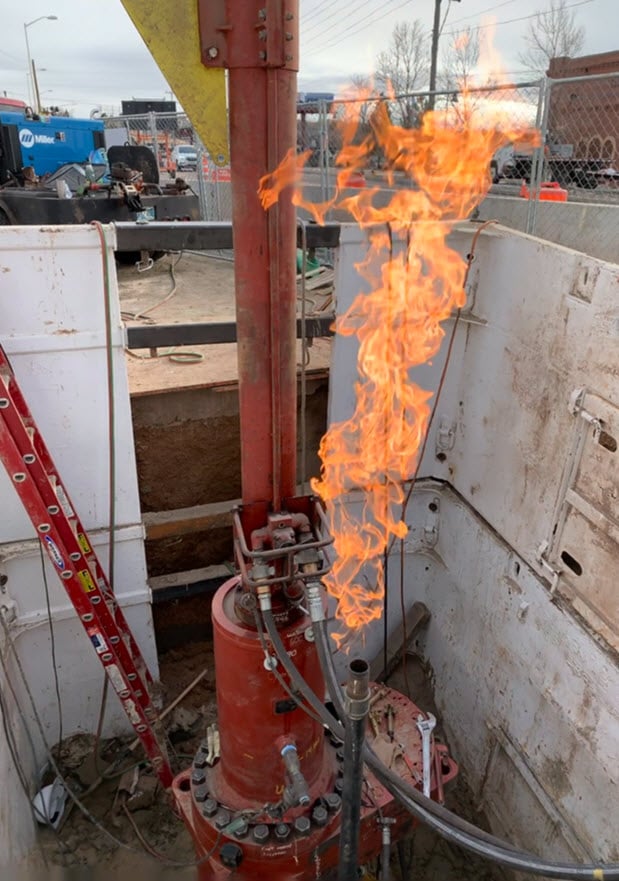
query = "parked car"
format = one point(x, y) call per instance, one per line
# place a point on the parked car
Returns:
point(185, 157)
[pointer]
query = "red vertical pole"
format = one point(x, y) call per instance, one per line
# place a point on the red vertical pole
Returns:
point(260, 43)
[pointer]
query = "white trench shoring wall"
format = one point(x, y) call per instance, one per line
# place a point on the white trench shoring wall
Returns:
point(518, 561)
point(53, 329)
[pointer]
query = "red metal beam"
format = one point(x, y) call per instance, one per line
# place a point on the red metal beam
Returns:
point(258, 42)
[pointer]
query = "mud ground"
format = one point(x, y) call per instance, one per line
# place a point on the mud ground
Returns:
point(186, 288)
point(81, 847)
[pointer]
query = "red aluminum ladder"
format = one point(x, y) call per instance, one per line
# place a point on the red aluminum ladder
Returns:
point(66, 542)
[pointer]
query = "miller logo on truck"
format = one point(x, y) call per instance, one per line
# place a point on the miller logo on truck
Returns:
point(27, 139)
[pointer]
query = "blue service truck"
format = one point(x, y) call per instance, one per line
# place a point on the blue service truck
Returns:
point(36, 153)
point(47, 143)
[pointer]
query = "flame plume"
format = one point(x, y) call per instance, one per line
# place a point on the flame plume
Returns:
point(415, 282)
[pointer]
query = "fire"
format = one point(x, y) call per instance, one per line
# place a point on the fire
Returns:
point(415, 282)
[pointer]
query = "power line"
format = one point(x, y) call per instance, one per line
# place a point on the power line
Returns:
point(12, 57)
point(374, 15)
point(374, 18)
point(315, 12)
point(352, 30)
point(337, 13)
point(492, 24)
point(483, 11)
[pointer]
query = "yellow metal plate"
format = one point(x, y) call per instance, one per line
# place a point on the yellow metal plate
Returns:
point(170, 30)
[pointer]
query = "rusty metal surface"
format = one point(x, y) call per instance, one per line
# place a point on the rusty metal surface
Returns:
point(315, 854)
point(249, 35)
point(264, 101)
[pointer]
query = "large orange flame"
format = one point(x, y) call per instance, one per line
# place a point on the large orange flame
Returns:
point(415, 282)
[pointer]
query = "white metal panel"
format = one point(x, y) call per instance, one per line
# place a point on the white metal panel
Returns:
point(527, 698)
point(53, 329)
point(505, 656)
point(541, 321)
point(519, 678)
point(52, 325)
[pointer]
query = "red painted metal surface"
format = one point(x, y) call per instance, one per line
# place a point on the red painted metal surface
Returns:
point(258, 41)
point(278, 540)
point(314, 854)
point(253, 711)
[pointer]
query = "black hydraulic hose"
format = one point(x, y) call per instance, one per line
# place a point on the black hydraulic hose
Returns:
point(448, 825)
point(358, 706)
point(393, 782)
point(298, 682)
point(481, 843)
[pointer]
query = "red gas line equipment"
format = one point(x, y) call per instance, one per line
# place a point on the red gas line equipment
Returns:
point(276, 802)
point(285, 788)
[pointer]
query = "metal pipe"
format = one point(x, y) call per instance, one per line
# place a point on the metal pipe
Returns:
point(297, 790)
point(357, 708)
point(385, 857)
point(448, 825)
point(263, 99)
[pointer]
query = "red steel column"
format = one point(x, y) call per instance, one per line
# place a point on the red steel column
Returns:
point(260, 44)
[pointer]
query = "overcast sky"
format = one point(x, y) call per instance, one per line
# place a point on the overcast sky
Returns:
point(92, 56)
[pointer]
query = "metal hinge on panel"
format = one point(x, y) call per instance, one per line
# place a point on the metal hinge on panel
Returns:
point(576, 407)
point(445, 435)
point(555, 574)
point(429, 535)
point(547, 551)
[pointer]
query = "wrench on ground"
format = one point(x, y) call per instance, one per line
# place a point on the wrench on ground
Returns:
point(426, 727)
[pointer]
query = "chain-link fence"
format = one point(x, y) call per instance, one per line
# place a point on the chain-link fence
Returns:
point(179, 153)
point(578, 158)
point(514, 108)
point(576, 161)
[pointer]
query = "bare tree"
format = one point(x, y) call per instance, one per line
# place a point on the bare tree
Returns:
point(552, 34)
point(362, 89)
point(460, 60)
point(402, 68)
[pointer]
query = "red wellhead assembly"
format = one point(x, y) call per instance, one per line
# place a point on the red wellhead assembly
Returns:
point(280, 790)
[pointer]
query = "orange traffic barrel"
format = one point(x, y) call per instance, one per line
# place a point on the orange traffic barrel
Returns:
point(354, 179)
point(549, 192)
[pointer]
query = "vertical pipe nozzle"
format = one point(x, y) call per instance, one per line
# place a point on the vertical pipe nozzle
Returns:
point(358, 689)
point(357, 708)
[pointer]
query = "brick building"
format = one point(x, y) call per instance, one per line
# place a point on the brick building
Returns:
point(585, 115)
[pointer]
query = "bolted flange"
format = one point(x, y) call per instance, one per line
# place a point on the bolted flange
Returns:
point(302, 825)
point(320, 815)
point(222, 819)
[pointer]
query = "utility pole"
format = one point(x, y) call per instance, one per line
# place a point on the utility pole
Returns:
point(29, 77)
point(35, 88)
point(436, 33)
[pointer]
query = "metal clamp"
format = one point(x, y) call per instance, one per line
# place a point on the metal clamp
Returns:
point(555, 574)
point(576, 406)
